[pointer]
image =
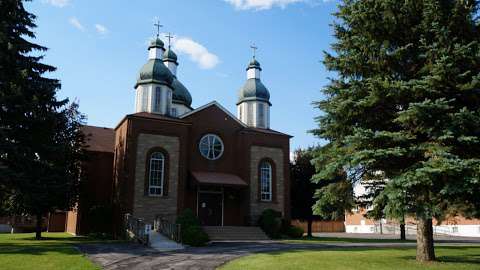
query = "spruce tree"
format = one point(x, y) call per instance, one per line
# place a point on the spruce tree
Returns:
point(405, 101)
point(302, 189)
point(40, 138)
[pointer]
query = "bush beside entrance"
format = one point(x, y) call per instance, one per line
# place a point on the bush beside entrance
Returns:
point(191, 231)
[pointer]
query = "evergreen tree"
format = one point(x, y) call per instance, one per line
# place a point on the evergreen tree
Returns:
point(335, 197)
point(40, 138)
point(405, 101)
point(302, 189)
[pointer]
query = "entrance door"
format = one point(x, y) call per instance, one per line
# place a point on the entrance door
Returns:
point(210, 209)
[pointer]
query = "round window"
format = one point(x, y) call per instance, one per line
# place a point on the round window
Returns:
point(211, 146)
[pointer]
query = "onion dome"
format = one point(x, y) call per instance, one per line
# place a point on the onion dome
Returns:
point(181, 95)
point(253, 89)
point(254, 64)
point(154, 71)
point(170, 56)
point(156, 43)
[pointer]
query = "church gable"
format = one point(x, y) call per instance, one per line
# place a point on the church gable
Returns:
point(214, 113)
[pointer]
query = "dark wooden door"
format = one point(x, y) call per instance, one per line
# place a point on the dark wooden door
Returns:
point(210, 209)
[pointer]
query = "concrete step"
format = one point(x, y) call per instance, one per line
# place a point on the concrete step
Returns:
point(162, 243)
point(225, 233)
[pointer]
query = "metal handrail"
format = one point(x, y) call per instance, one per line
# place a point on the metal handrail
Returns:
point(137, 229)
point(410, 229)
point(168, 229)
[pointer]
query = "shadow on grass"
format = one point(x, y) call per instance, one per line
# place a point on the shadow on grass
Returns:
point(460, 258)
point(36, 249)
point(61, 243)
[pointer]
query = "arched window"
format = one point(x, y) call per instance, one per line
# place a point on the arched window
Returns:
point(156, 174)
point(265, 181)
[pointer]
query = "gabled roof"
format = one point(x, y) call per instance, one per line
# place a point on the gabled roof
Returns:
point(269, 131)
point(214, 103)
point(99, 139)
point(154, 116)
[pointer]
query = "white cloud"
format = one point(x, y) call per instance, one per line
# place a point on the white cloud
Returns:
point(57, 3)
point(261, 4)
point(196, 51)
point(76, 23)
point(268, 4)
point(187, 46)
point(101, 29)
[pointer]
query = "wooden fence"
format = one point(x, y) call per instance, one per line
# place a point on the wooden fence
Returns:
point(320, 226)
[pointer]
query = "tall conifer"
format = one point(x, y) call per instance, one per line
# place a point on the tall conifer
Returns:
point(40, 138)
point(405, 100)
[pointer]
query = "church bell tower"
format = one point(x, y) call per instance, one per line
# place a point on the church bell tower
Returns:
point(253, 106)
point(154, 83)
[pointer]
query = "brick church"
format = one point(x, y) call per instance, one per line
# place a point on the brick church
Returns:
point(168, 156)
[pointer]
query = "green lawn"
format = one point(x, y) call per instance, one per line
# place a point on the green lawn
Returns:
point(21, 251)
point(457, 258)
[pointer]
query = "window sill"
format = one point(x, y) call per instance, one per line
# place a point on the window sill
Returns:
point(155, 196)
point(271, 202)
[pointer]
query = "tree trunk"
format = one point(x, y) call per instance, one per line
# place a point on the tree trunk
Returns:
point(309, 227)
point(402, 232)
point(402, 229)
point(425, 249)
point(38, 227)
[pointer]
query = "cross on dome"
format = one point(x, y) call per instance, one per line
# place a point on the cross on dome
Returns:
point(158, 25)
point(169, 36)
point(254, 48)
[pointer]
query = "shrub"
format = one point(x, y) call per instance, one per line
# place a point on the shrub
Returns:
point(192, 233)
point(271, 223)
point(294, 232)
point(194, 236)
point(187, 219)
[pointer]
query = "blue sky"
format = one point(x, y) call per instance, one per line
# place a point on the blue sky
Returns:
point(99, 47)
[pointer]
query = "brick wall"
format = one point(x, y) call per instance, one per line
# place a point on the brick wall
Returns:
point(147, 207)
point(257, 153)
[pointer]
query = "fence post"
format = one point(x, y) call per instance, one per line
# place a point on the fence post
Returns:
point(179, 233)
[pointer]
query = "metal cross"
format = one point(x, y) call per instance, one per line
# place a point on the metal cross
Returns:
point(254, 48)
point(169, 36)
point(158, 25)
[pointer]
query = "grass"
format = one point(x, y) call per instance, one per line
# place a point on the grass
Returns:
point(457, 258)
point(54, 251)
point(313, 240)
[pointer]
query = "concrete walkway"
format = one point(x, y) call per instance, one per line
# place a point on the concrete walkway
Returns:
point(137, 257)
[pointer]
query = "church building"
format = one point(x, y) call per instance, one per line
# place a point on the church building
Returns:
point(168, 156)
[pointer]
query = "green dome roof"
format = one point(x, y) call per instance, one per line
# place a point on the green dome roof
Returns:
point(180, 93)
point(169, 55)
point(253, 89)
point(254, 64)
point(156, 43)
point(154, 71)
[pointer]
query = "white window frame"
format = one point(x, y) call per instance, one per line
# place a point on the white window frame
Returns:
point(266, 176)
point(151, 169)
point(210, 143)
